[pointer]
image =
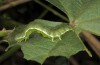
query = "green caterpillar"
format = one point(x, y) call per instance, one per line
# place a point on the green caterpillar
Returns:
point(46, 28)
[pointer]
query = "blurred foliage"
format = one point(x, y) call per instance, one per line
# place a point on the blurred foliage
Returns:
point(7, 22)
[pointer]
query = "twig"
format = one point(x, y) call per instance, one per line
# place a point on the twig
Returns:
point(12, 4)
point(5, 32)
point(73, 61)
point(51, 10)
point(93, 42)
point(43, 14)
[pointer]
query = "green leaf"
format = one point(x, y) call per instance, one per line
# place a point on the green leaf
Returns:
point(90, 19)
point(91, 13)
point(38, 48)
point(91, 26)
point(58, 5)
point(74, 8)
point(82, 13)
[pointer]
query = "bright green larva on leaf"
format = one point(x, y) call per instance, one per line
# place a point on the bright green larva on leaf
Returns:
point(46, 28)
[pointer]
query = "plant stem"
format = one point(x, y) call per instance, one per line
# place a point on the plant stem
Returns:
point(93, 42)
point(73, 61)
point(12, 4)
point(52, 10)
point(43, 14)
point(9, 53)
point(5, 32)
